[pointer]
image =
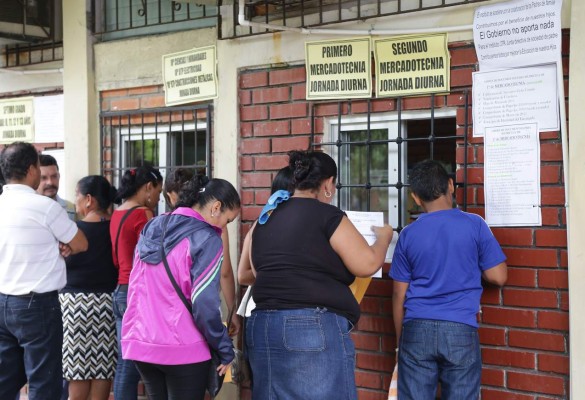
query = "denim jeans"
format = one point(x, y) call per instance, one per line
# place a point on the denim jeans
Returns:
point(31, 336)
point(127, 376)
point(438, 351)
point(301, 354)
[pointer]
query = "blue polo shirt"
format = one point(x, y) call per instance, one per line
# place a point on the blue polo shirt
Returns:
point(442, 255)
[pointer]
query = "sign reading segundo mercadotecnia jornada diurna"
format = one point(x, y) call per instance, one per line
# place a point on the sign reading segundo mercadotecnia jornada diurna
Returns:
point(411, 65)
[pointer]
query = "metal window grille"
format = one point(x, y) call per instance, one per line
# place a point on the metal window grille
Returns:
point(314, 13)
point(35, 33)
point(166, 138)
point(362, 178)
point(125, 15)
point(19, 55)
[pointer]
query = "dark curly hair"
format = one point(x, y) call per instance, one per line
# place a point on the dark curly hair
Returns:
point(311, 168)
point(175, 180)
point(200, 190)
point(133, 179)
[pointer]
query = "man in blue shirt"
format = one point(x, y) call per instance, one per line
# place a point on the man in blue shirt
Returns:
point(437, 269)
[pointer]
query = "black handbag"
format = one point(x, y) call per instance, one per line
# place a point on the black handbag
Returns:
point(214, 380)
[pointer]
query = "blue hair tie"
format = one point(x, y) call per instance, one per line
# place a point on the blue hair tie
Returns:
point(277, 197)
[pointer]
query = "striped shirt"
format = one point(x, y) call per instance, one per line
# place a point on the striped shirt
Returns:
point(31, 228)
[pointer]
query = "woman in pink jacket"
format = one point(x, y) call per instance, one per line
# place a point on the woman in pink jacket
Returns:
point(170, 345)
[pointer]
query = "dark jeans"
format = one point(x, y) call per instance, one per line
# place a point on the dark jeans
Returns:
point(174, 382)
point(127, 376)
point(438, 351)
point(31, 336)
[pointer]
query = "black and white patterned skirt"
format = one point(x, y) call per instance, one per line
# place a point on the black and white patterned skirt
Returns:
point(89, 336)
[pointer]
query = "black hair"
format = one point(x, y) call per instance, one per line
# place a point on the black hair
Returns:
point(283, 180)
point(16, 159)
point(429, 180)
point(200, 190)
point(47, 160)
point(98, 187)
point(133, 179)
point(175, 181)
point(311, 168)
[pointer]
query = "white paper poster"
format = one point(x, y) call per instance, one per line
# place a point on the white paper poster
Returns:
point(516, 96)
point(517, 33)
point(364, 221)
point(49, 119)
point(512, 175)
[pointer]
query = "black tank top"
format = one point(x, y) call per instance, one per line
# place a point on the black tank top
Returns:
point(295, 264)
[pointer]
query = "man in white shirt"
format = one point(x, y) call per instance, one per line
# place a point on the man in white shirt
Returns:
point(35, 234)
point(49, 185)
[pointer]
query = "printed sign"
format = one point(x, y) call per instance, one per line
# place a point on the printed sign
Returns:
point(49, 119)
point(518, 33)
point(411, 65)
point(190, 76)
point(338, 69)
point(512, 175)
point(16, 120)
point(515, 96)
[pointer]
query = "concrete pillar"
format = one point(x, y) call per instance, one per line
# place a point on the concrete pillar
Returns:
point(82, 149)
point(576, 211)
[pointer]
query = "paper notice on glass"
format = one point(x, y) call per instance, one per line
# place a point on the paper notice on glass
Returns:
point(512, 175)
point(364, 221)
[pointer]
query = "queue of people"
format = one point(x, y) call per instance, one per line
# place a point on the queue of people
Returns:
point(126, 295)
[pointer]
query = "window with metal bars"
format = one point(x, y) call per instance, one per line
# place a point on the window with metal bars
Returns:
point(115, 19)
point(166, 138)
point(375, 151)
point(315, 13)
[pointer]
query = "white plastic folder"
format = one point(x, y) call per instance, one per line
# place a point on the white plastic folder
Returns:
point(393, 391)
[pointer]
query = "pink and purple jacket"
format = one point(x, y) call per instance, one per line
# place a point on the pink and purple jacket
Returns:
point(157, 327)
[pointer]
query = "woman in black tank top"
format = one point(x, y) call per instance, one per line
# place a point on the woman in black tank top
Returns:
point(304, 257)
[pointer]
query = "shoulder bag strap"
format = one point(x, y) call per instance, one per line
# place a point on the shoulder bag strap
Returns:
point(120, 228)
point(180, 293)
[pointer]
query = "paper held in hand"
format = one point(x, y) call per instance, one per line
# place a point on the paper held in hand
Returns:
point(364, 221)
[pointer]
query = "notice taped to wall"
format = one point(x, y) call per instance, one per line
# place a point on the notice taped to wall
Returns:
point(16, 120)
point(518, 33)
point(515, 96)
point(338, 69)
point(512, 175)
point(190, 76)
point(411, 65)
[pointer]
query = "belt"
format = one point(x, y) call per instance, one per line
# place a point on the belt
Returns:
point(35, 294)
point(122, 288)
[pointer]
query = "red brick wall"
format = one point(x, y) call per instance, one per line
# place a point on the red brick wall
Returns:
point(524, 331)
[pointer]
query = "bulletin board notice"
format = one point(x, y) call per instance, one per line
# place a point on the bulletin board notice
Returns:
point(190, 76)
point(16, 120)
point(412, 65)
point(338, 69)
point(513, 96)
point(512, 175)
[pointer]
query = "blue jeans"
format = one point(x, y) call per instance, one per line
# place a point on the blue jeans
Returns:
point(127, 376)
point(438, 351)
point(301, 354)
point(31, 336)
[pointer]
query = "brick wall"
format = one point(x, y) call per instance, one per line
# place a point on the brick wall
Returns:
point(524, 331)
